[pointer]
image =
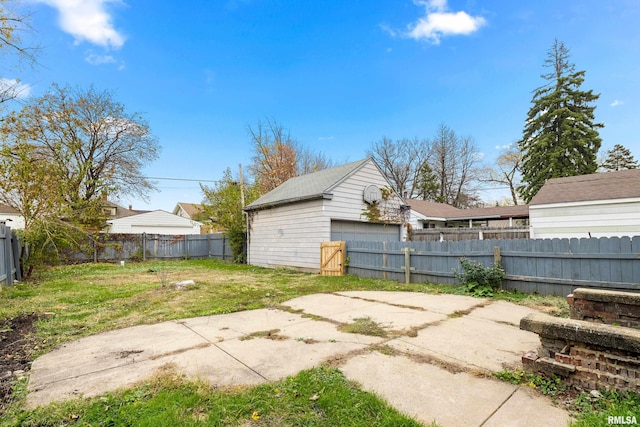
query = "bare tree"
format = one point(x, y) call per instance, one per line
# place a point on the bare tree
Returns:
point(312, 161)
point(401, 162)
point(454, 162)
point(13, 25)
point(506, 170)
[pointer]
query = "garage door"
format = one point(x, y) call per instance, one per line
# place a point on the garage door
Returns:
point(351, 230)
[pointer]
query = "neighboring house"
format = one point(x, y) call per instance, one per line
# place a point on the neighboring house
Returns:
point(113, 210)
point(196, 212)
point(153, 222)
point(597, 205)
point(288, 224)
point(440, 215)
point(12, 217)
point(189, 210)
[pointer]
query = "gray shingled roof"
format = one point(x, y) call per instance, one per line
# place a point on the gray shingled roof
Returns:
point(448, 212)
point(598, 186)
point(433, 209)
point(312, 186)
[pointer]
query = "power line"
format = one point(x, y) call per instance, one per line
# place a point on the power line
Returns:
point(180, 179)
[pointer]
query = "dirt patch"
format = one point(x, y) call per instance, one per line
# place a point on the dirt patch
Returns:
point(271, 334)
point(18, 344)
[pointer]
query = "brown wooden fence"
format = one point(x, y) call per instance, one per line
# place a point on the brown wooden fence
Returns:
point(460, 234)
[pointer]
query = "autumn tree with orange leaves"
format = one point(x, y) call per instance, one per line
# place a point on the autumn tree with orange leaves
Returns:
point(275, 155)
point(278, 157)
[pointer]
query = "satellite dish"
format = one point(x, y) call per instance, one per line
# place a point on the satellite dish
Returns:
point(372, 194)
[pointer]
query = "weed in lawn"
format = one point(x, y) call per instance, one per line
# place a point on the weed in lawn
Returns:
point(550, 386)
point(364, 326)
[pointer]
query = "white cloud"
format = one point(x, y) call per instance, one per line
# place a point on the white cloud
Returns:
point(13, 89)
point(88, 20)
point(616, 103)
point(438, 22)
point(389, 30)
point(96, 59)
point(503, 147)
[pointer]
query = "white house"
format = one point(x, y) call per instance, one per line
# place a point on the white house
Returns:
point(11, 217)
point(597, 205)
point(288, 224)
point(153, 222)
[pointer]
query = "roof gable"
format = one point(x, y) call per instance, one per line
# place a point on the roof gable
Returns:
point(311, 186)
point(191, 209)
point(583, 188)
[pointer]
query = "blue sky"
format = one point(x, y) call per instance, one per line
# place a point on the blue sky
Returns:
point(337, 74)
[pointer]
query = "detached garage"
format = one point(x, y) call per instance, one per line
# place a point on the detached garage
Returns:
point(288, 224)
point(597, 205)
point(154, 222)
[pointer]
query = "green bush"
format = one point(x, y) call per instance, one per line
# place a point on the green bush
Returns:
point(478, 280)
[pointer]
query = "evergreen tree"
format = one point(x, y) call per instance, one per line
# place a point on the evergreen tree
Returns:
point(619, 158)
point(560, 137)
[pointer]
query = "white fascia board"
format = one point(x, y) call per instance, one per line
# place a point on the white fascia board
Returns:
point(585, 203)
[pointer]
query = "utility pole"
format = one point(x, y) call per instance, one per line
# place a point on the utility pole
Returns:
point(241, 185)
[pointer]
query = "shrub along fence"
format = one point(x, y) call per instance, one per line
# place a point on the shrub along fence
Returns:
point(140, 247)
point(544, 266)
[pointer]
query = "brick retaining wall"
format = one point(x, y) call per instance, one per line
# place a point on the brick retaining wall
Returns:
point(610, 307)
point(590, 351)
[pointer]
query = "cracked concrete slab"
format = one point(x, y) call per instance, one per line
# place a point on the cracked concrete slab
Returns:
point(471, 335)
point(481, 344)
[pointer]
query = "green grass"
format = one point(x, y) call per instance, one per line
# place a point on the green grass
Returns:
point(595, 412)
point(317, 397)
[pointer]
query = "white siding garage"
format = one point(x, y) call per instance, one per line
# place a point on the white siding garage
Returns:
point(288, 224)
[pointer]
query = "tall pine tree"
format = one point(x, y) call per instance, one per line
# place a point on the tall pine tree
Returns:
point(560, 136)
point(619, 158)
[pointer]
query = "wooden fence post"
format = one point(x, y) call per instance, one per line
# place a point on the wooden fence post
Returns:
point(224, 247)
point(407, 264)
point(15, 247)
point(144, 246)
point(385, 260)
point(8, 255)
point(497, 258)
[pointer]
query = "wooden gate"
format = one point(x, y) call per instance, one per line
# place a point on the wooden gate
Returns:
point(332, 258)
